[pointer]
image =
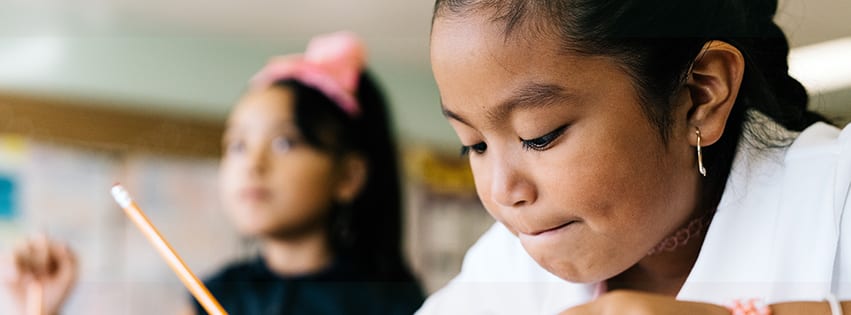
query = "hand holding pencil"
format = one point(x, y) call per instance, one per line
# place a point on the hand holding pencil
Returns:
point(39, 274)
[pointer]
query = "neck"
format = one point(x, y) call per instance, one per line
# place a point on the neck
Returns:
point(296, 256)
point(662, 272)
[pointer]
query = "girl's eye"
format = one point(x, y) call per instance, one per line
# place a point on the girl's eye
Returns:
point(542, 143)
point(478, 148)
point(283, 144)
point(236, 146)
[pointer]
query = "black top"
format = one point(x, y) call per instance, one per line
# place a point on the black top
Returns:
point(250, 288)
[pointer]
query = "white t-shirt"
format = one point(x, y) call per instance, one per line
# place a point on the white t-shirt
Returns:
point(776, 235)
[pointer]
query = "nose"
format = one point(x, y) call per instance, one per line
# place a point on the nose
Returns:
point(510, 186)
point(257, 162)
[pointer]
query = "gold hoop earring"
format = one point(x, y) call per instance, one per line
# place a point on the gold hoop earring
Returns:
point(699, 155)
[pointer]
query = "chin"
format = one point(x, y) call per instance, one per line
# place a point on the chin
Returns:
point(567, 273)
point(570, 275)
point(250, 231)
point(252, 228)
point(567, 269)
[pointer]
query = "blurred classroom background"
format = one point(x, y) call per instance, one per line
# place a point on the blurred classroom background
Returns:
point(98, 91)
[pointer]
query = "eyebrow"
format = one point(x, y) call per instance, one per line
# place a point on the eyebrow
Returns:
point(530, 96)
point(284, 125)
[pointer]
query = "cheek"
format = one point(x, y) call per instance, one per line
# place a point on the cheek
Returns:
point(623, 183)
point(304, 185)
point(228, 179)
point(597, 173)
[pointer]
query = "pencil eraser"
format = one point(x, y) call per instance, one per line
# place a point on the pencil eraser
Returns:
point(121, 196)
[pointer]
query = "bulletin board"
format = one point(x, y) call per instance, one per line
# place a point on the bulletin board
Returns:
point(58, 160)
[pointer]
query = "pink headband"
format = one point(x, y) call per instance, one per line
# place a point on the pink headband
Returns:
point(331, 64)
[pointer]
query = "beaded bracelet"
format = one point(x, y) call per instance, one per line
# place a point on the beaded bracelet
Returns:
point(750, 307)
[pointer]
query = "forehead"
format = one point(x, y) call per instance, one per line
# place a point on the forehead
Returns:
point(476, 66)
point(476, 51)
point(275, 103)
point(476, 34)
point(262, 110)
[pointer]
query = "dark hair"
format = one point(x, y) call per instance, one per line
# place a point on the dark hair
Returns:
point(656, 43)
point(367, 231)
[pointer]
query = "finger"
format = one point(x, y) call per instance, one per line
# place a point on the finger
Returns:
point(66, 261)
point(40, 259)
point(61, 253)
point(21, 264)
point(22, 258)
point(55, 255)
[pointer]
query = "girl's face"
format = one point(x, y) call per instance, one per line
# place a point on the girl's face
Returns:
point(561, 151)
point(273, 183)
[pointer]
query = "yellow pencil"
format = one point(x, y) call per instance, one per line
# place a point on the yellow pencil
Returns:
point(195, 286)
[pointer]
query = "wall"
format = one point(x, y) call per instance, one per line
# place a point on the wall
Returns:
point(64, 191)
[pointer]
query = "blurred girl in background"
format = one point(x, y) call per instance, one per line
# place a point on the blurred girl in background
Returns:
point(310, 170)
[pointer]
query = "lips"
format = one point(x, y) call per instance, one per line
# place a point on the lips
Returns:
point(255, 194)
point(550, 230)
point(553, 229)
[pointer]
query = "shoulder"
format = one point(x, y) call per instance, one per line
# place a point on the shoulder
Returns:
point(390, 297)
point(821, 139)
point(801, 187)
point(238, 286)
point(812, 162)
point(821, 157)
point(242, 281)
point(779, 203)
point(245, 270)
point(395, 291)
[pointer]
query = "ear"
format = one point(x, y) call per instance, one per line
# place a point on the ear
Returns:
point(352, 178)
point(713, 86)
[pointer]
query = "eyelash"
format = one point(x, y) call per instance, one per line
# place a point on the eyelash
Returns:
point(288, 142)
point(479, 148)
point(538, 144)
point(543, 142)
point(233, 146)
